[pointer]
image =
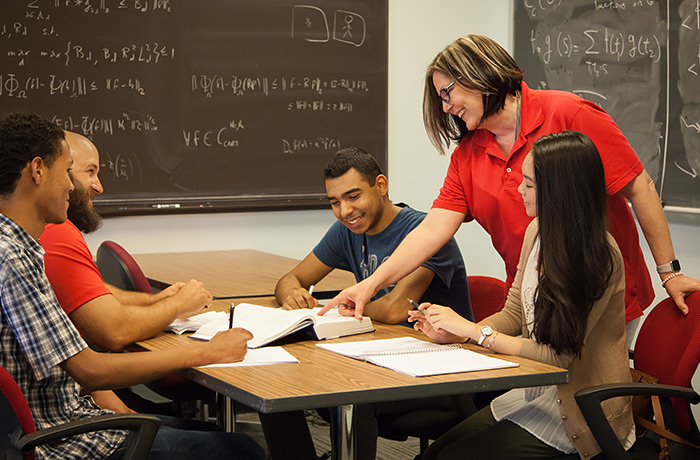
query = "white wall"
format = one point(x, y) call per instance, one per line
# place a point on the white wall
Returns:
point(417, 31)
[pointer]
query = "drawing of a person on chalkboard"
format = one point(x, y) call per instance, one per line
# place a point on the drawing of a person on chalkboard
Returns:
point(475, 96)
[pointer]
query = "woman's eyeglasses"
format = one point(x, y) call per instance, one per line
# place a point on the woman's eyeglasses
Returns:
point(445, 92)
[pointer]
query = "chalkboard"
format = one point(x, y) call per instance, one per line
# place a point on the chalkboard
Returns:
point(640, 61)
point(204, 105)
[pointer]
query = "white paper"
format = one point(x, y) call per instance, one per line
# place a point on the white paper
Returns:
point(181, 325)
point(262, 356)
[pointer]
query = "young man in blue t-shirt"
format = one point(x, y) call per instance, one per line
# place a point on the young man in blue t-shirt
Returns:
point(368, 229)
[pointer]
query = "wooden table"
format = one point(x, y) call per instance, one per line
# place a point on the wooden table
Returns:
point(321, 378)
point(232, 272)
point(325, 379)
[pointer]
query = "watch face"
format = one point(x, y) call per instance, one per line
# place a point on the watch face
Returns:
point(486, 330)
point(675, 265)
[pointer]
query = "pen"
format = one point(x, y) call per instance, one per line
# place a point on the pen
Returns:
point(414, 304)
point(230, 316)
point(311, 289)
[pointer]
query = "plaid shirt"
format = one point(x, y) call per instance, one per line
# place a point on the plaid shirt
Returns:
point(35, 337)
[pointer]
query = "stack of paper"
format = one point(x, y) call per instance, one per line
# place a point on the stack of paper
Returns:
point(181, 325)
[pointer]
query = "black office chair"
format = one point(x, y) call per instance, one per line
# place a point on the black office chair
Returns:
point(19, 438)
point(426, 424)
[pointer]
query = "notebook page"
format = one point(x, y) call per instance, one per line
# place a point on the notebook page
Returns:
point(365, 348)
point(440, 362)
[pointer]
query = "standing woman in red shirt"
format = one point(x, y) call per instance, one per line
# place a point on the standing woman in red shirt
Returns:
point(475, 96)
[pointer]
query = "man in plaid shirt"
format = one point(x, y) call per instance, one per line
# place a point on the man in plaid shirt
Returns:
point(39, 346)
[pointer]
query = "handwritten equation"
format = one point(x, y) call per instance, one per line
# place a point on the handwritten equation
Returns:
point(211, 84)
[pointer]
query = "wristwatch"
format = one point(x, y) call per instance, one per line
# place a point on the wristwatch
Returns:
point(672, 266)
point(485, 332)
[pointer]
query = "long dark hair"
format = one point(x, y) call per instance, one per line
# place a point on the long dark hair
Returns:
point(575, 258)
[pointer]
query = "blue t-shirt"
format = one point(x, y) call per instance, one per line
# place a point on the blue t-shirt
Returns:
point(362, 254)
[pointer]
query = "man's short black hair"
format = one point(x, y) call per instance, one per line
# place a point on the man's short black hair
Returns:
point(23, 137)
point(353, 157)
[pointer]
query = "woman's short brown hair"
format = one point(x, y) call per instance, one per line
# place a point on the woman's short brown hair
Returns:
point(477, 63)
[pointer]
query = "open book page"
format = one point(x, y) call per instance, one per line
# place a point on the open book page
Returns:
point(262, 356)
point(269, 324)
point(418, 358)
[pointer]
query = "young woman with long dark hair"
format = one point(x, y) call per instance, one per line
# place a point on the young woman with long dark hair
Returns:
point(566, 303)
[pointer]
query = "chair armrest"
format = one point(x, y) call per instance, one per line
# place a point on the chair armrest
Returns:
point(589, 401)
point(144, 426)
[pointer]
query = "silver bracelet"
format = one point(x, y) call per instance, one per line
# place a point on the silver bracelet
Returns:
point(663, 283)
point(490, 342)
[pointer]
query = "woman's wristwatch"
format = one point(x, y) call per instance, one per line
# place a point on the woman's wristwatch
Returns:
point(485, 332)
point(672, 266)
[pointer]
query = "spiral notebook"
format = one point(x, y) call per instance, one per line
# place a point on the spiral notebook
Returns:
point(417, 358)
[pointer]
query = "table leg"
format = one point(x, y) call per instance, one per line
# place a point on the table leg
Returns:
point(225, 415)
point(343, 431)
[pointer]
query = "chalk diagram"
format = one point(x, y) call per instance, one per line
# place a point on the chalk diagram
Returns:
point(310, 23)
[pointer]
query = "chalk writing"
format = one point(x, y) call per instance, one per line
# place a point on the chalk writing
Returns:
point(212, 84)
point(223, 137)
point(199, 100)
point(319, 143)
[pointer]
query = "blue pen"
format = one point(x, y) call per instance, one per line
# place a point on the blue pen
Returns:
point(414, 304)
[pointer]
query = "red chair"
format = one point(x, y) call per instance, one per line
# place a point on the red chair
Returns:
point(19, 438)
point(119, 269)
point(668, 348)
point(487, 295)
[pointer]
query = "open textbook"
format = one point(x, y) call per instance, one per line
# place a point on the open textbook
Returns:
point(417, 358)
point(269, 324)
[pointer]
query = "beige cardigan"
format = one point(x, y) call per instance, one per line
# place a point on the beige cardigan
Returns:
point(603, 357)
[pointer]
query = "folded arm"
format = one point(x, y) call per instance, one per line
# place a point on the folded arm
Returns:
point(112, 325)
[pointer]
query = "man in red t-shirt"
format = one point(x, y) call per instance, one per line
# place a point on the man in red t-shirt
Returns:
point(105, 315)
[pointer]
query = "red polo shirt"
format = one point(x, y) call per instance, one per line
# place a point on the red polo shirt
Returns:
point(483, 183)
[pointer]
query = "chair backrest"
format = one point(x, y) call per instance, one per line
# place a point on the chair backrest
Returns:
point(668, 347)
point(14, 413)
point(487, 295)
point(119, 269)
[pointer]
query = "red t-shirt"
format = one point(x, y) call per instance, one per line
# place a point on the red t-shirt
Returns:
point(69, 266)
point(483, 184)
